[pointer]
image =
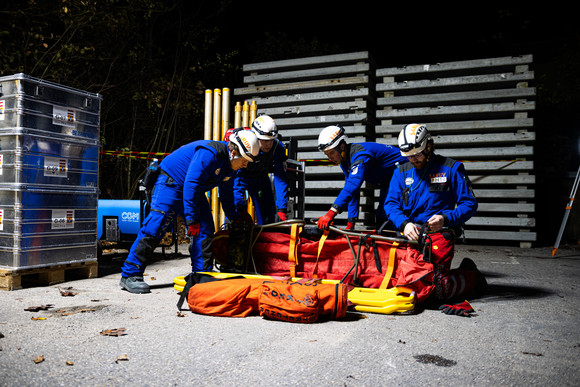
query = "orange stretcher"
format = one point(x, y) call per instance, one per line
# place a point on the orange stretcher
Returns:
point(383, 301)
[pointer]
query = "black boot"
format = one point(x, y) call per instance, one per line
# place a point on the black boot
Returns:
point(480, 281)
point(135, 284)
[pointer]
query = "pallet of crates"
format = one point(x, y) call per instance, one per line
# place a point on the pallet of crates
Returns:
point(49, 152)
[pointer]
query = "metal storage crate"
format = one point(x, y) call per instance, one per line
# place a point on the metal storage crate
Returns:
point(40, 226)
point(49, 152)
point(29, 102)
point(34, 157)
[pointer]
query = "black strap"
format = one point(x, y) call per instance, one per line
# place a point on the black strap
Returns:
point(425, 242)
point(185, 291)
point(377, 257)
point(190, 280)
point(197, 278)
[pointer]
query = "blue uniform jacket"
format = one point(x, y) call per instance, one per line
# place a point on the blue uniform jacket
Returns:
point(198, 167)
point(367, 161)
point(267, 162)
point(416, 195)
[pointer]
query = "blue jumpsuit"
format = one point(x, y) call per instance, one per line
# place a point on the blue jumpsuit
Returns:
point(256, 181)
point(416, 195)
point(441, 188)
point(370, 162)
point(186, 175)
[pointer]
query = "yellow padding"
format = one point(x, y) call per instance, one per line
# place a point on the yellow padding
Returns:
point(386, 301)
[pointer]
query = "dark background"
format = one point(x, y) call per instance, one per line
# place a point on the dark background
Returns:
point(152, 60)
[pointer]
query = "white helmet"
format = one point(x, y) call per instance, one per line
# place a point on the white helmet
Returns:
point(265, 128)
point(247, 143)
point(413, 139)
point(330, 137)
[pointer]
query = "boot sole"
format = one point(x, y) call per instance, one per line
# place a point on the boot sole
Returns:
point(134, 291)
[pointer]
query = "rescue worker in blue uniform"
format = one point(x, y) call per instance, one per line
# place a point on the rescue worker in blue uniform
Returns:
point(360, 162)
point(430, 189)
point(184, 178)
point(428, 195)
point(255, 178)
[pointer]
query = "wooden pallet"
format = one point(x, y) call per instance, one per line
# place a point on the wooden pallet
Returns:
point(13, 279)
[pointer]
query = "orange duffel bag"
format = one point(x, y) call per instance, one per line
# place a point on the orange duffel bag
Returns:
point(300, 301)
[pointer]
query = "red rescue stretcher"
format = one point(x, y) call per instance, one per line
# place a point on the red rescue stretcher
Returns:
point(362, 260)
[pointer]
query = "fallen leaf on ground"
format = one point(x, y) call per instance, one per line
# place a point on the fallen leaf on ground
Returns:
point(67, 292)
point(121, 358)
point(179, 314)
point(38, 318)
point(37, 308)
point(69, 363)
point(39, 359)
point(113, 332)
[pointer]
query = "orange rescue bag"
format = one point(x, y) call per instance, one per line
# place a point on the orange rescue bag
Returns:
point(302, 301)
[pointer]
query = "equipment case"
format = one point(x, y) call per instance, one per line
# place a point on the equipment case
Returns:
point(49, 153)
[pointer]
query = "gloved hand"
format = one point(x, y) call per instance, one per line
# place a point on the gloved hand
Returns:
point(282, 215)
point(349, 226)
point(193, 229)
point(326, 220)
point(464, 309)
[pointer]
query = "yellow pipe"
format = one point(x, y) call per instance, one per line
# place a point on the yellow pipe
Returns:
point(238, 115)
point(225, 125)
point(245, 113)
point(225, 112)
point(207, 118)
point(215, 205)
point(216, 114)
point(253, 112)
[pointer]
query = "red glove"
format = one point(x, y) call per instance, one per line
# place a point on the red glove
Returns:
point(349, 226)
point(282, 215)
point(193, 229)
point(326, 220)
point(464, 309)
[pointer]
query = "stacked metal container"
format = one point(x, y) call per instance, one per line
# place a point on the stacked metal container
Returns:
point(49, 170)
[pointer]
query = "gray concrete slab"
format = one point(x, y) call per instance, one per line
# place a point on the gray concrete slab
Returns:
point(525, 332)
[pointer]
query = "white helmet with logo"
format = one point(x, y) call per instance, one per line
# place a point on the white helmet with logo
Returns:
point(413, 139)
point(330, 137)
point(265, 128)
point(247, 143)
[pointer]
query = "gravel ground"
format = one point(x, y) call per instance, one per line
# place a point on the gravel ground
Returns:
point(525, 333)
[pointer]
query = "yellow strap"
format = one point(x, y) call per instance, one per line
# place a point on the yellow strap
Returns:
point(292, 256)
point(320, 244)
point(391, 267)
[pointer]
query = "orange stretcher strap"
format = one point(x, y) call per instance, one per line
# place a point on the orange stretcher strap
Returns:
point(292, 250)
point(320, 244)
point(391, 267)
